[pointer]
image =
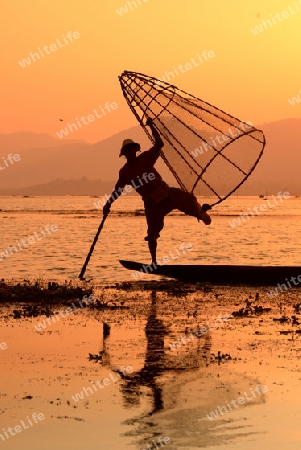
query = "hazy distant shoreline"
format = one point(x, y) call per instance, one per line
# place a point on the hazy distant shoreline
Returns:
point(98, 189)
point(49, 166)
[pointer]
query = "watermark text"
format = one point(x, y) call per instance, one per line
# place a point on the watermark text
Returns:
point(25, 243)
point(24, 425)
point(47, 50)
point(277, 18)
point(65, 312)
point(129, 6)
point(160, 440)
point(146, 177)
point(221, 138)
point(200, 331)
point(294, 100)
point(259, 209)
point(285, 286)
point(183, 68)
point(100, 384)
point(221, 410)
point(85, 120)
point(161, 262)
point(9, 160)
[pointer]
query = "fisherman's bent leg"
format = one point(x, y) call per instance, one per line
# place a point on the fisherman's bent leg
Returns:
point(152, 245)
point(155, 213)
point(188, 204)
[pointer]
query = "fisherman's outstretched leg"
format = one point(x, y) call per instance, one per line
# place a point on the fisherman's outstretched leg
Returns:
point(188, 204)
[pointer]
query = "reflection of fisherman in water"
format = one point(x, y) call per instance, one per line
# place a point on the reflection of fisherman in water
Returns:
point(156, 362)
point(155, 332)
point(153, 366)
point(169, 395)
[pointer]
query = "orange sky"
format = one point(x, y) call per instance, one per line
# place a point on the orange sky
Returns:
point(250, 76)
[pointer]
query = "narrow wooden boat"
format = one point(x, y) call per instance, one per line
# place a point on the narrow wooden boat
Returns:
point(290, 276)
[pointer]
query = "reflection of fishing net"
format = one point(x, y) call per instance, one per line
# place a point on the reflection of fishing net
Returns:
point(209, 152)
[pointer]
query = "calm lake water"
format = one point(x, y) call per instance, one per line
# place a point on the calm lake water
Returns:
point(169, 393)
point(270, 237)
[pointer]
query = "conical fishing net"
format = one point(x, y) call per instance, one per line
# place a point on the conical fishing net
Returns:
point(209, 152)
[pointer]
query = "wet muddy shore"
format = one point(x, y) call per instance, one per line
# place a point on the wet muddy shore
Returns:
point(204, 366)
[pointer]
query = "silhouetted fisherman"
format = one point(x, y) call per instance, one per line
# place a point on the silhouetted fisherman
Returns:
point(159, 199)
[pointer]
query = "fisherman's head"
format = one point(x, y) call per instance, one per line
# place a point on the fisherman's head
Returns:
point(129, 149)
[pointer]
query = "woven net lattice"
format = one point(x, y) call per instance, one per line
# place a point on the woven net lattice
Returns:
point(209, 152)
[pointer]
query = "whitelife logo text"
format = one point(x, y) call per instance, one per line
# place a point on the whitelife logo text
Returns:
point(24, 425)
point(85, 120)
point(47, 50)
point(24, 243)
point(9, 160)
point(221, 410)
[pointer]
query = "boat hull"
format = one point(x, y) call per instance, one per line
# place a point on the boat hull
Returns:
point(224, 274)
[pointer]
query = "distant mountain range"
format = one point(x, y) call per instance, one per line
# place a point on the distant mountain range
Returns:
point(59, 186)
point(50, 166)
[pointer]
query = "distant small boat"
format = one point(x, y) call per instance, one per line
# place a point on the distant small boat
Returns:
point(265, 197)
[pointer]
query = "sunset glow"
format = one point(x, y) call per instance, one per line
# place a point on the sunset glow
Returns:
point(88, 44)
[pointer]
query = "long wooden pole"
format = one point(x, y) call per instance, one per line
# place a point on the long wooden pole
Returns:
point(81, 275)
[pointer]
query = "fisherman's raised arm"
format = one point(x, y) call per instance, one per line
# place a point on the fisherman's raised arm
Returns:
point(155, 150)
